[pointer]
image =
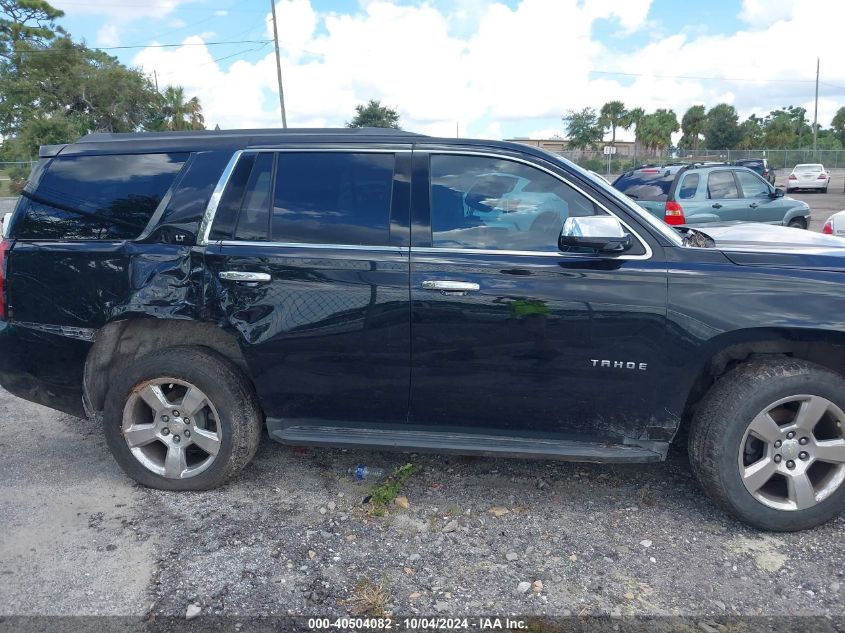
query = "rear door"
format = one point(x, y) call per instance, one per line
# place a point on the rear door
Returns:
point(723, 197)
point(529, 340)
point(760, 206)
point(307, 262)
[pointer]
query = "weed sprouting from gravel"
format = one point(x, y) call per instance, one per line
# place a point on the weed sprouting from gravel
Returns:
point(386, 492)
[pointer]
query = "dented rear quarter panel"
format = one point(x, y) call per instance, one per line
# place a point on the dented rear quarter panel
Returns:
point(61, 293)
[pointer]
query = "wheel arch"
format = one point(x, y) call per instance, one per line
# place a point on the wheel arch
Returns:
point(119, 343)
point(722, 353)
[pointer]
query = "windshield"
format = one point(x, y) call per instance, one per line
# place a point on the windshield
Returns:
point(812, 168)
point(622, 199)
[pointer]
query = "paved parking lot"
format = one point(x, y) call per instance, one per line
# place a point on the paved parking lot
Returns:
point(823, 205)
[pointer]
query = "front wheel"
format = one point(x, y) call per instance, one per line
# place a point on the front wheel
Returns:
point(183, 418)
point(767, 443)
point(797, 223)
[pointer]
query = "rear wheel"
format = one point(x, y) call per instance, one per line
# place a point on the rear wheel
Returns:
point(183, 418)
point(767, 443)
point(797, 223)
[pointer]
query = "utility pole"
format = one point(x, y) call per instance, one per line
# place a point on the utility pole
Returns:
point(278, 65)
point(155, 77)
point(816, 115)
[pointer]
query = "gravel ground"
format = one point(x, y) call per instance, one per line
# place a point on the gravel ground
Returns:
point(290, 536)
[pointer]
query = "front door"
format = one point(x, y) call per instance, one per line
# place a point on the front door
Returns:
point(760, 206)
point(305, 267)
point(509, 334)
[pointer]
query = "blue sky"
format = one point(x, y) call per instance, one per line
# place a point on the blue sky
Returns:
point(494, 69)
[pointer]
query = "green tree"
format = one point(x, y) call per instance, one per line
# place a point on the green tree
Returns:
point(613, 115)
point(655, 130)
point(779, 130)
point(583, 130)
point(838, 124)
point(693, 125)
point(373, 114)
point(722, 127)
point(27, 21)
point(632, 119)
point(180, 113)
point(751, 133)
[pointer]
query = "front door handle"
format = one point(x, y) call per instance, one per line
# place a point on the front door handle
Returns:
point(451, 287)
point(753, 205)
point(717, 206)
point(242, 275)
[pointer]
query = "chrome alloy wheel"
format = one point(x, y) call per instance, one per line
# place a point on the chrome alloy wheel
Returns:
point(792, 455)
point(171, 427)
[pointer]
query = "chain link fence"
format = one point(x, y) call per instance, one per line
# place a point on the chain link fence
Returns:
point(778, 158)
point(13, 175)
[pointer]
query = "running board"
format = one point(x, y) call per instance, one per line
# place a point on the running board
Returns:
point(464, 444)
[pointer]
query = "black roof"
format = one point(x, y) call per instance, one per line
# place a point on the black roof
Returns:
point(230, 140)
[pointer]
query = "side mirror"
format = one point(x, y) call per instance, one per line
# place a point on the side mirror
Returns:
point(777, 193)
point(600, 233)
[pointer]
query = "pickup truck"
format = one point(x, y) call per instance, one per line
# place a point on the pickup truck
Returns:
point(384, 289)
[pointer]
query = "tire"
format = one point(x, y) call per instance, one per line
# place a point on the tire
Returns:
point(224, 413)
point(723, 421)
point(797, 223)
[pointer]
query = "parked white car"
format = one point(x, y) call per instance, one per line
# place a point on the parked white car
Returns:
point(808, 176)
point(835, 225)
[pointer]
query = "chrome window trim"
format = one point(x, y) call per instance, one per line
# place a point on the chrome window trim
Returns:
point(213, 202)
point(399, 250)
point(648, 252)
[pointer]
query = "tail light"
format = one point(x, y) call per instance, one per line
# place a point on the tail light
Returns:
point(765, 172)
point(793, 177)
point(4, 248)
point(822, 177)
point(827, 229)
point(674, 213)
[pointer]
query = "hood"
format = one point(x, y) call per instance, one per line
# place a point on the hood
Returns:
point(752, 244)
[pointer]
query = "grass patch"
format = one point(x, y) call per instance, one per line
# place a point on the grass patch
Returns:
point(386, 492)
point(369, 598)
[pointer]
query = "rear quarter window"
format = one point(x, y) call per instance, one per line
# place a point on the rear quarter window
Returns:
point(96, 197)
point(644, 185)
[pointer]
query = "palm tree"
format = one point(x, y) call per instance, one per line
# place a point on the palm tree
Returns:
point(197, 120)
point(175, 107)
point(693, 124)
point(179, 113)
point(632, 119)
point(613, 114)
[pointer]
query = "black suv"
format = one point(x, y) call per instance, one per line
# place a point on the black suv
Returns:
point(759, 165)
point(390, 290)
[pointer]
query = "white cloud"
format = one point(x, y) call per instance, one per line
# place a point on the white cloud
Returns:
point(516, 69)
point(123, 11)
point(762, 13)
point(108, 35)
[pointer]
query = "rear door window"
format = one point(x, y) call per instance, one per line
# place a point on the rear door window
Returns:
point(333, 198)
point(96, 197)
point(254, 217)
point(721, 185)
point(651, 185)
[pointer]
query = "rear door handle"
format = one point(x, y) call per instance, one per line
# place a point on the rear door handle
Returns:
point(717, 206)
point(753, 205)
point(241, 275)
point(451, 287)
